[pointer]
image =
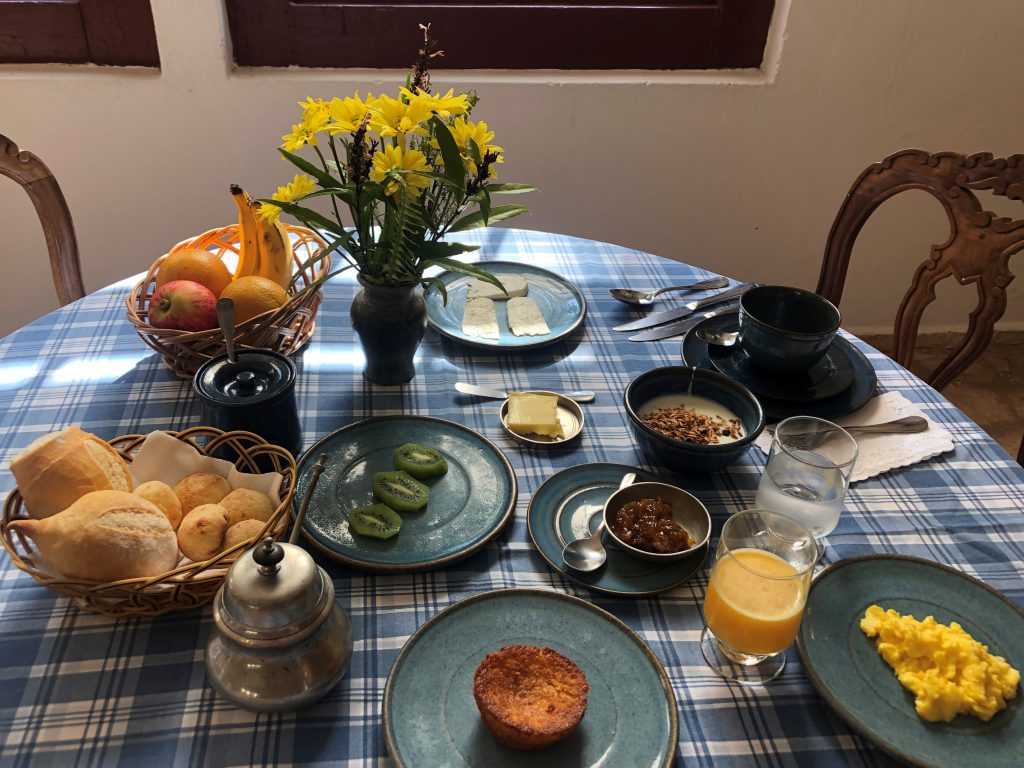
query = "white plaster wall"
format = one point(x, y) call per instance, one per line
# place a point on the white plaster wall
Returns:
point(742, 173)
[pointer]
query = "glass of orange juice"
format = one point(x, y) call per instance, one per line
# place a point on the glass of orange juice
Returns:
point(756, 595)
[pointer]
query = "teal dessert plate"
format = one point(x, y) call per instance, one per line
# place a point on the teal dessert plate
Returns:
point(561, 303)
point(568, 505)
point(431, 718)
point(468, 506)
point(844, 666)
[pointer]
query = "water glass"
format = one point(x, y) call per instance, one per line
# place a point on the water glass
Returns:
point(808, 472)
point(756, 595)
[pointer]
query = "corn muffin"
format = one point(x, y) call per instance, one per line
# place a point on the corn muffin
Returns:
point(530, 697)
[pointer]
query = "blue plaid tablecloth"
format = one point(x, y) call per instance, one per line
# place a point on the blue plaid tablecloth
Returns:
point(79, 689)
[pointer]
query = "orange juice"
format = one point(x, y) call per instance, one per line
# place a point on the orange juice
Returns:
point(755, 609)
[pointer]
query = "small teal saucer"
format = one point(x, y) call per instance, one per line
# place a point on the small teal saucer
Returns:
point(844, 666)
point(568, 505)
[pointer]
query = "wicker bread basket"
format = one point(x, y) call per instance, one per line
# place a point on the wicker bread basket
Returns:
point(285, 330)
point(183, 588)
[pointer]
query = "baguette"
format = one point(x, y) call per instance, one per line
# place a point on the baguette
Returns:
point(105, 536)
point(57, 469)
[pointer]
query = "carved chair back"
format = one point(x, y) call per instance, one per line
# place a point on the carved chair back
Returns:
point(35, 178)
point(977, 251)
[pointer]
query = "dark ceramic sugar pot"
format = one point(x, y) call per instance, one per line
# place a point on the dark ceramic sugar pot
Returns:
point(280, 641)
point(256, 393)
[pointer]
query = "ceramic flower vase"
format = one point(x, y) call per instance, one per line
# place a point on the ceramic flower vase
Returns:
point(390, 322)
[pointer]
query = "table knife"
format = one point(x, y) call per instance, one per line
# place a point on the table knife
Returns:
point(582, 396)
point(667, 316)
point(682, 326)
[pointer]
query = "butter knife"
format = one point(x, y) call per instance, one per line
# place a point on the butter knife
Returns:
point(667, 316)
point(682, 326)
point(582, 396)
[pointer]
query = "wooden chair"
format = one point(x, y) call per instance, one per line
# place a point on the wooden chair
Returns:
point(35, 178)
point(978, 249)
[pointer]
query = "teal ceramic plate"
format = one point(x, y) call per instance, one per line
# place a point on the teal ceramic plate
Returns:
point(561, 303)
point(431, 718)
point(568, 505)
point(846, 669)
point(468, 506)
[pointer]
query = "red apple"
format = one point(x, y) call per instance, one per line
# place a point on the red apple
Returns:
point(184, 306)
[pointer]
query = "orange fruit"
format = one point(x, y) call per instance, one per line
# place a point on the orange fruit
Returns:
point(253, 295)
point(198, 266)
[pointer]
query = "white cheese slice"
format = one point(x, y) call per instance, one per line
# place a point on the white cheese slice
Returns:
point(525, 318)
point(514, 284)
point(479, 319)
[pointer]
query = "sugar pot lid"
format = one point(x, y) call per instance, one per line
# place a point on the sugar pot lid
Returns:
point(257, 375)
point(272, 593)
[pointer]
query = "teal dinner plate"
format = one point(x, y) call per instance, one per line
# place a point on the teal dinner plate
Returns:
point(568, 505)
point(561, 303)
point(468, 505)
point(431, 718)
point(844, 666)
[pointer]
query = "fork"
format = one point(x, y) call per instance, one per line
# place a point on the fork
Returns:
point(907, 425)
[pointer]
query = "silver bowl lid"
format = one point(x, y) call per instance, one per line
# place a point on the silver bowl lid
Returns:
point(272, 591)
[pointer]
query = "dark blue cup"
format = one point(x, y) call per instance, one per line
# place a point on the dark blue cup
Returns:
point(786, 329)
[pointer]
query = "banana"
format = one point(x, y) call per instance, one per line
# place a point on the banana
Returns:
point(248, 233)
point(275, 250)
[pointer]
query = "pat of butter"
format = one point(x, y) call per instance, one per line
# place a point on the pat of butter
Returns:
point(533, 413)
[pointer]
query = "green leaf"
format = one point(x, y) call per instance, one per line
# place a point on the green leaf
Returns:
point(511, 188)
point(476, 219)
point(474, 151)
point(465, 269)
point(347, 194)
point(453, 167)
point(441, 178)
point(437, 249)
point(323, 178)
point(439, 285)
point(309, 217)
point(483, 199)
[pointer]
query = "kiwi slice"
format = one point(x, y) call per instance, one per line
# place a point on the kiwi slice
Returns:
point(400, 491)
point(378, 521)
point(420, 461)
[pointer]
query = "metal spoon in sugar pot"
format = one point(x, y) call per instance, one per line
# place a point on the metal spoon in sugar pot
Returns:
point(588, 553)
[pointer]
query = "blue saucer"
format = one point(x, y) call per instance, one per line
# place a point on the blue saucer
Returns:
point(695, 352)
point(568, 505)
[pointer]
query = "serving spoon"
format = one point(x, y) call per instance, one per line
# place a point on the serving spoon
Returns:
point(588, 553)
point(643, 298)
point(908, 425)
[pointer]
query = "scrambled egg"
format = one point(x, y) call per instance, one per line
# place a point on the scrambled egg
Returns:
point(947, 670)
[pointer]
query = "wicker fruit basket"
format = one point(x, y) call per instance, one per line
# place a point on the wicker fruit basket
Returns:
point(285, 330)
point(188, 586)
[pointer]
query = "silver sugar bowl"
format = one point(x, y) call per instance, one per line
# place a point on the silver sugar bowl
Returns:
point(279, 640)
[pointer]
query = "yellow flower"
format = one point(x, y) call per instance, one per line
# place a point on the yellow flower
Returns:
point(298, 187)
point(313, 120)
point(449, 104)
point(393, 117)
point(346, 114)
point(312, 109)
point(392, 162)
point(464, 130)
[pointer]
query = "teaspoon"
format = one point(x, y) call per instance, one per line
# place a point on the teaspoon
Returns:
point(718, 338)
point(588, 553)
point(643, 298)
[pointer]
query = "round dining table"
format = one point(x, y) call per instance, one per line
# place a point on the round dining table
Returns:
point(81, 689)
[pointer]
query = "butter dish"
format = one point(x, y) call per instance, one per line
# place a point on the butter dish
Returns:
point(570, 419)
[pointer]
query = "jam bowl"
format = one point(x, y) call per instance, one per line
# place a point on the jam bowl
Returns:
point(686, 511)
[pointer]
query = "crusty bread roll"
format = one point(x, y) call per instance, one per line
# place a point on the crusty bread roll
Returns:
point(105, 536)
point(243, 504)
point(243, 531)
point(57, 469)
point(201, 532)
point(164, 497)
point(201, 488)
